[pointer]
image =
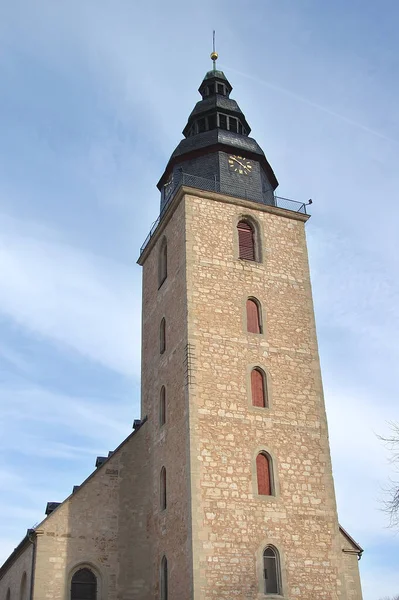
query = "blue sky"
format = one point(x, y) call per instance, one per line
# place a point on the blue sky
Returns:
point(93, 98)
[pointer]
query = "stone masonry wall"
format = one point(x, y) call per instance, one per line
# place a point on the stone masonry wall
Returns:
point(170, 442)
point(12, 579)
point(100, 526)
point(135, 519)
point(215, 526)
point(350, 570)
point(231, 523)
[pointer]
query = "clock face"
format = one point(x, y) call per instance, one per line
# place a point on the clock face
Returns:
point(240, 165)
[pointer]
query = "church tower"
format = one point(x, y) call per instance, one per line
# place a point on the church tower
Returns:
point(242, 497)
point(224, 489)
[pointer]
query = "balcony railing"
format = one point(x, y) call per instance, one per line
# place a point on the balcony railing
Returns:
point(214, 185)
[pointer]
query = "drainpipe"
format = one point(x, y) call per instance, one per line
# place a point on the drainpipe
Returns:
point(31, 533)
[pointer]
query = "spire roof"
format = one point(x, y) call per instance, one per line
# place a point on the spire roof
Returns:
point(215, 73)
point(216, 124)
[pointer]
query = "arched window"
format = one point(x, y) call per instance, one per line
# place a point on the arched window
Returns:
point(164, 578)
point(23, 592)
point(162, 488)
point(246, 241)
point(162, 262)
point(263, 474)
point(259, 388)
point(8, 595)
point(254, 322)
point(271, 571)
point(162, 336)
point(84, 585)
point(162, 406)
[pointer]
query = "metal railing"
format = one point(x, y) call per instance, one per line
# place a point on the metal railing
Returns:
point(214, 185)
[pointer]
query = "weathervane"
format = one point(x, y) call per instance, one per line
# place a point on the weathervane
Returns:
point(214, 54)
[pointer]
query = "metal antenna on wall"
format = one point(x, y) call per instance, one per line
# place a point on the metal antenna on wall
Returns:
point(214, 54)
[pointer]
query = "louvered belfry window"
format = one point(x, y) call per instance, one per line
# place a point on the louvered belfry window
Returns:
point(84, 585)
point(253, 317)
point(246, 241)
point(258, 388)
point(263, 475)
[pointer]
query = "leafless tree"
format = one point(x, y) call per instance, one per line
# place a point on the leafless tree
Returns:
point(387, 598)
point(391, 501)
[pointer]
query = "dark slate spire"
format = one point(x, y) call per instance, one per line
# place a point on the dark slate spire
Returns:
point(216, 109)
point(217, 133)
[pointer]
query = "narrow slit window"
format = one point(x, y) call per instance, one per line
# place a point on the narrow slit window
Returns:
point(163, 262)
point(162, 406)
point(84, 585)
point(271, 571)
point(254, 324)
point(164, 578)
point(246, 241)
point(23, 592)
point(259, 388)
point(162, 336)
point(162, 482)
point(263, 475)
point(201, 126)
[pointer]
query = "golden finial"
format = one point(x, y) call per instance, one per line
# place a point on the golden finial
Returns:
point(214, 54)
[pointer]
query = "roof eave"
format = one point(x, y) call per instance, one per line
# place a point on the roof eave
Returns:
point(28, 539)
point(359, 549)
point(218, 146)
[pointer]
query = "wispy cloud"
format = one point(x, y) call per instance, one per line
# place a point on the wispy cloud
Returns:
point(77, 299)
point(49, 442)
point(81, 415)
point(33, 446)
point(304, 100)
point(94, 97)
point(356, 291)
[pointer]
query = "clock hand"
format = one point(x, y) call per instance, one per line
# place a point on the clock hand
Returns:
point(240, 163)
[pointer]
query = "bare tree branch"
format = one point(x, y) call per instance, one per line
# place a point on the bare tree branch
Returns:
point(391, 503)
